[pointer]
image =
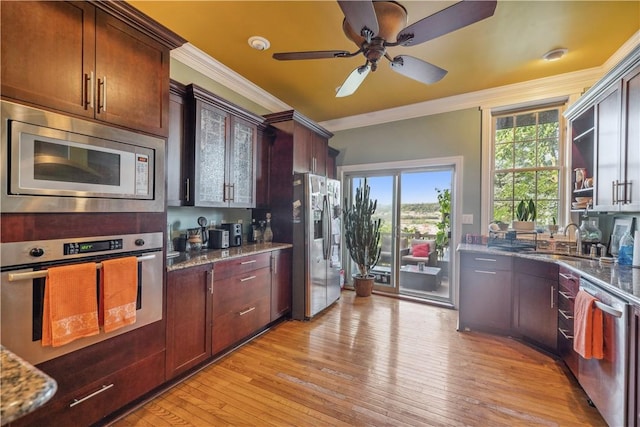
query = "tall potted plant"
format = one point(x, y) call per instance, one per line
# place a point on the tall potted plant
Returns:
point(362, 237)
point(526, 214)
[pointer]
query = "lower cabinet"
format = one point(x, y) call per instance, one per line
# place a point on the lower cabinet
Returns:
point(280, 283)
point(535, 310)
point(241, 299)
point(485, 292)
point(189, 311)
point(568, 285)
point(98, 380)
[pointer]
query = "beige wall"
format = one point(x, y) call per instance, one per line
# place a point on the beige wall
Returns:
point(440, 135)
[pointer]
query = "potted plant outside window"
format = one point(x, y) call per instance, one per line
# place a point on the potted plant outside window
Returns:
point(362, 237)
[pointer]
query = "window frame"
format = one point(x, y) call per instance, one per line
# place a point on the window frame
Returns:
point(488, 152)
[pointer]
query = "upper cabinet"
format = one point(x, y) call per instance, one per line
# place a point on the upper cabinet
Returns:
point(605, 124)
point(300, 145)
point(219, 152)
point(110, 63)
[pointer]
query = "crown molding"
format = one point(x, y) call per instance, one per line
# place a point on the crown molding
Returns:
point(195, 58)
point(564, 85)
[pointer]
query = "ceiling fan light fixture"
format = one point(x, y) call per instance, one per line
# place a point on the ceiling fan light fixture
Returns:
point(259, 43)
point(555, 54)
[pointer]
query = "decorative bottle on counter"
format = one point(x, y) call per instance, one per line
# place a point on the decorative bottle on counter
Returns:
point(625, 251)
point(589, 234)
point(268, 233)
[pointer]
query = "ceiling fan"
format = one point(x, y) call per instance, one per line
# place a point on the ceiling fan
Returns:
point(375, 25)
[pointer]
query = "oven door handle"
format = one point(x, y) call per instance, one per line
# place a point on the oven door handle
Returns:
point(604, 307)
point(40, 274)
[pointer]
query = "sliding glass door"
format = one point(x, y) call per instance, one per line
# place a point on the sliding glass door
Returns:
point(415, 207)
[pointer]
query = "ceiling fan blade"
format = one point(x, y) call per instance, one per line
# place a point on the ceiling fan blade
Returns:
point(354, 80)
point(360, 15)
point(417, 69)
point(316, 54)
point(447, 20)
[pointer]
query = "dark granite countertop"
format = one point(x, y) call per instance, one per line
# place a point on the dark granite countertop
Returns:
point(623, 281)
point(207, 256)
point(24, 388)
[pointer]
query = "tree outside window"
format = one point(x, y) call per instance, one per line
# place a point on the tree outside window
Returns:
point(526, 163)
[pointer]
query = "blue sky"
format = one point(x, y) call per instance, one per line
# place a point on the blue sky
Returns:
point(417, 187)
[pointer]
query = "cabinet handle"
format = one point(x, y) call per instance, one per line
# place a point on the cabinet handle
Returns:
point(247, 278)
point(210, 274)
point(274, 265)
point(565, 314)
point(568, 277)
point(224, 193)
point(565, 333)
point(102, 94)
point(248, 310)
point(566, 295)
point(486, 259)
point(89, 396)
point(485, 272)
point(248, 262)
point(627, 193)
point(89, 90)
point(613, 192)
point(553, 292)
point(232, 188)
point(187, 189)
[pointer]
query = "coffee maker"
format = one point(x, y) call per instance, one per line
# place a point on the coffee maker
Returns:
point(235, 233)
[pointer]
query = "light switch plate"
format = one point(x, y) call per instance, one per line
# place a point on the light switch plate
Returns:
point(467, 218)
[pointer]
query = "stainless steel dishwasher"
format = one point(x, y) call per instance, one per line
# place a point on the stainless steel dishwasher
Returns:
point(605, 380)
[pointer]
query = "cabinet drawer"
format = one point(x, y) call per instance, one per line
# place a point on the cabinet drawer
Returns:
point(100, 398)
point(234, 326)
point(569, 281)
point(233, 293)
point(485, 262)
point(236, 266)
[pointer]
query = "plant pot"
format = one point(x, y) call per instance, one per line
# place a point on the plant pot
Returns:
point(523, 225)
point(363, 285)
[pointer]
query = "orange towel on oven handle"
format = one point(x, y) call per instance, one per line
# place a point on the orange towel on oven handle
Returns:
point(588, 328)
point(70, 304)
point(118, 292)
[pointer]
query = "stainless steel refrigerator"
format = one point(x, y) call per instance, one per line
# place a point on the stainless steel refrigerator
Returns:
point(317, 238)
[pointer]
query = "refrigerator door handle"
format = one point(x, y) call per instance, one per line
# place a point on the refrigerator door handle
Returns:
point(325, 227)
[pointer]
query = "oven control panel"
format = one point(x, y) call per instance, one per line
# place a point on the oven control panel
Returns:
point(93, 246)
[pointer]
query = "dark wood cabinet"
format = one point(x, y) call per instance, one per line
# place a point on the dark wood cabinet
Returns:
point(485, 292)
point(241, 299)
point(176, 186)
point(76, 57)
point(100, 379)
point(280, 283)
point(220, 152)
point(535, 309)
point(332, 166)
point(568, 284)
point(189, 310)
point(298, 145)
point(606, 133)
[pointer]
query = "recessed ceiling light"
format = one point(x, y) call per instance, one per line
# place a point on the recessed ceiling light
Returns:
point(555, 54)
point(259, 43)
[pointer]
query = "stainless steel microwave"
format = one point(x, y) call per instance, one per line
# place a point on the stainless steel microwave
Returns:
point(56, 163)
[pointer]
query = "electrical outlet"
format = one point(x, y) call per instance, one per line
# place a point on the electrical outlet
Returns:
point(467, 218)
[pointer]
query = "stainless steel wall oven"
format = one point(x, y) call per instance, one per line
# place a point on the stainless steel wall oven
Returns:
point(56, 163)
point(24, 269)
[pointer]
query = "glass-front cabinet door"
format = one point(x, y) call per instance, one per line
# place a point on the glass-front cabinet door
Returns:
point(241, 190)
point(210, 156)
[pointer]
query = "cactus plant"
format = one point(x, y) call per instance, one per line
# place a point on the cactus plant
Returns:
point(361, 231)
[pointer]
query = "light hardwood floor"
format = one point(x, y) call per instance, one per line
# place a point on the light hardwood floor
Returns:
point(375, 361)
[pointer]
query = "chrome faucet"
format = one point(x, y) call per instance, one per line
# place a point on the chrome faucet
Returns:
point(578, 238)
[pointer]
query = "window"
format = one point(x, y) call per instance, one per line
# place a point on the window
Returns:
point(526, 163)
